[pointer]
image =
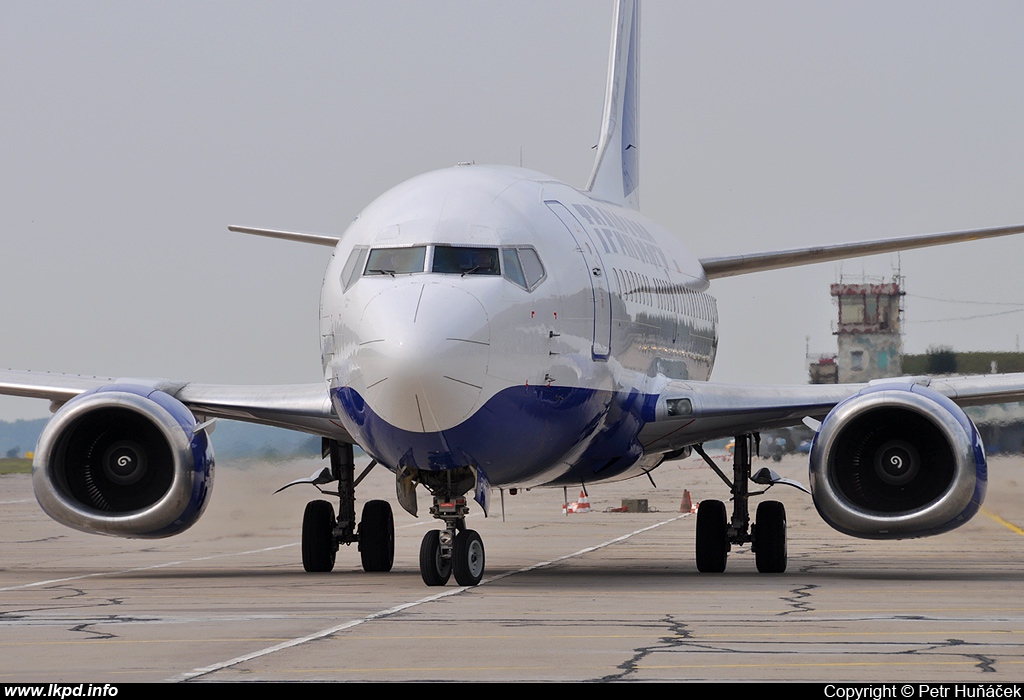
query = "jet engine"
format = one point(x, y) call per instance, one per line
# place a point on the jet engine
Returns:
point(124, 460)
point(897, 461)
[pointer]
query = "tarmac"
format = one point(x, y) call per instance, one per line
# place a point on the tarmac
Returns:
point(599, 596)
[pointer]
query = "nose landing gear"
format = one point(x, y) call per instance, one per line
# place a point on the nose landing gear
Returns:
point(453, 549)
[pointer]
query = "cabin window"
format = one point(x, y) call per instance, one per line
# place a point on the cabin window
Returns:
point(395, 261)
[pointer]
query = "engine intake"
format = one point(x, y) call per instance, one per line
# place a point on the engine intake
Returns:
point(897, 461)
point(124, 460)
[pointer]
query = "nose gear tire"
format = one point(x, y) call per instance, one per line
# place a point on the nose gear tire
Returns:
point(468, 558)
point(433, 568)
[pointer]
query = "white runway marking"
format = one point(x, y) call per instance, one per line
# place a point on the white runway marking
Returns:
point(145, 568)
point(164, 565)
point(196, 673)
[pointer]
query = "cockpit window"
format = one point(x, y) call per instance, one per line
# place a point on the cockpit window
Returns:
point(465, 261)
point(519, 265)
point(353, 266)
point(396, 261)
point(532, 267)
point(522, 267)
point(513, 270)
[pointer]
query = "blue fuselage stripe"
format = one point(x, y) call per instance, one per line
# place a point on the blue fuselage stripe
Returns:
point(561, 434)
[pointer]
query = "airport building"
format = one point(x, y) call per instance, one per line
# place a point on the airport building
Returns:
point(868, 332)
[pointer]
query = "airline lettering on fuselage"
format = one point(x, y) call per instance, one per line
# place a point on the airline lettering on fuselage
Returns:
point(621, 235)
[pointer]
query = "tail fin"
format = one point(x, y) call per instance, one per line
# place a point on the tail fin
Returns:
point(616, 174)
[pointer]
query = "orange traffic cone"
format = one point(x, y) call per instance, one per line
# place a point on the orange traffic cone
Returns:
point(584, 503)
point(580, 506)
point(687, 505)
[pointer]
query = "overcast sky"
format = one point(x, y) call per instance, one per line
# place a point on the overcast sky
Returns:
point(133, 133)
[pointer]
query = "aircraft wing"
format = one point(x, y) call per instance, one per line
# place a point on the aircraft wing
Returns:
point(693, 412)
point(303, 407)
point(730, 265)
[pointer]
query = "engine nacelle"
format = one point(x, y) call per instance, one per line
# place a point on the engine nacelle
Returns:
point(124, 460)
point(897, 461)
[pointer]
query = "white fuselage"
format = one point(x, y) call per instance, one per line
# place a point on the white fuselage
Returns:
point(531, 373)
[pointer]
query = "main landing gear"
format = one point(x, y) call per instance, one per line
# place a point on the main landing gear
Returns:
point(716, 533)
point(322, 533)
point(455, 549)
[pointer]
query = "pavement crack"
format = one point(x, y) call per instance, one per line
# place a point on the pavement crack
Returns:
point(84, 627)
point(29, 613)
point(985, 663)
point(679, 636)
point(797, 599)
point(70, 593)
point(53, 538)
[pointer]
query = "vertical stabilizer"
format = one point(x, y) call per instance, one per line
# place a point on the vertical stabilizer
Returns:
point(616, 175)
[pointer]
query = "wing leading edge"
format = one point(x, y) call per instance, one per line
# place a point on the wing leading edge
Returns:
point(686, 412)
point(731, 265)
point(303, 407)
point(692, 412)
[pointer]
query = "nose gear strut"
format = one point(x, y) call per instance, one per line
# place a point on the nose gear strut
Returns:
point(455, 549)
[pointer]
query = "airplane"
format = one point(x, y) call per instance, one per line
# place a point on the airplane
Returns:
point(491, 327)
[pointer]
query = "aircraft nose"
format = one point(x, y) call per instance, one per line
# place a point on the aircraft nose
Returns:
point(424, 356)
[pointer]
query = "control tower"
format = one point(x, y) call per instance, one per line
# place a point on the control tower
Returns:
point(869, 329)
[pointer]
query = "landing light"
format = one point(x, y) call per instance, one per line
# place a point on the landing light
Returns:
point(679, 408)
